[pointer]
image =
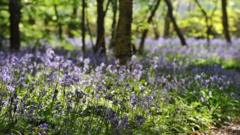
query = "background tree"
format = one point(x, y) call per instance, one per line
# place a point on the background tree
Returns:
point(100, 43)
point(167, 25)
point(174, 22)
point(72, 24)
point(123, 50)
point(114, 22)
point(155, 29)
point(83, 26)
point(145, 31)
point(42, 21)
point(14, 10)
point(207, 20)
point(90, 32)
point(225, 21)
point(59, 23)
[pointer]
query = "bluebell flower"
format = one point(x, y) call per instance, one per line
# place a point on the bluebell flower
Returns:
point(10, 88)
point(44, 126)
point(133, 99)
point(139, 119)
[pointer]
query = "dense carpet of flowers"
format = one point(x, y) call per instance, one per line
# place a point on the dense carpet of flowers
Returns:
point(50, 91)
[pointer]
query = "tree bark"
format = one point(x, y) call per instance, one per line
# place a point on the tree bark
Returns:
point(145, 31)
point(208, 29)
point(83, 26)
point(72, 23)
point(14, 10)
point(114, 22)
point(46, 20)
point(225, 21)
point(107, 6)
point(155, 30)
point(123, 49)
point(89, 32)
point(174, 22)
point(167, 24)
point(59, 24)
point(100, 43)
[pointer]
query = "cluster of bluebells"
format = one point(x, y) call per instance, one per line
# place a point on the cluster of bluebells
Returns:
point(36, 80)
point(197, 48)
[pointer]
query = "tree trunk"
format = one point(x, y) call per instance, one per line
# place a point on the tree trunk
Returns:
point(123, 50)
point(175, 25)
point(107, 6)
point(100, 43)
point(59, 24)
point(167, 24)
point(114, 22)
point(72, 24)
point(145, 31)
point(225, 21)
point(89, 32)
point(46, 20)
point(208, 29)
point(155, 30)
point(83, 26)
point(14, 10)
point(1, 40)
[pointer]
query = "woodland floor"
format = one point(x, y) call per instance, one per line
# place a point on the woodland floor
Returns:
point(232, 128)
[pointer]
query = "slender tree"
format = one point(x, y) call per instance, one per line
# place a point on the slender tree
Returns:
point(145, 31)
point(174, 22)
point(1, 41)
point(72, 23)
point(155, 29)
point(58, 21)
point(225, 21)
point(167, 26)
point(83, 26)
point(208, 20)
point(114, 22)
point(100, 43)
point(107, 6)
point(89, 32)
point(205, 14)
point(123, 47)
point(46, 21)
point(14, 10)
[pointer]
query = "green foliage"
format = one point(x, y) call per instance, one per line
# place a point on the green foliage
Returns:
point(38, 19)
point(196, 108)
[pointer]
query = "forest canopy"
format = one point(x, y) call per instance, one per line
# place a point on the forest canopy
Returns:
point(44, 21)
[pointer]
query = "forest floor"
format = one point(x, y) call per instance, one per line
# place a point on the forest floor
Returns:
point(192, 92)
point(230, 129)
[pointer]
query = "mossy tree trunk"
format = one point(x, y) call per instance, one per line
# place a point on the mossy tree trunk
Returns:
point(123, 47)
